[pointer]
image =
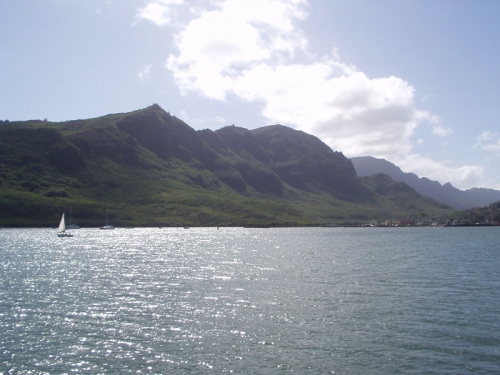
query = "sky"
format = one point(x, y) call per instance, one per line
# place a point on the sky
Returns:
point(415, 82)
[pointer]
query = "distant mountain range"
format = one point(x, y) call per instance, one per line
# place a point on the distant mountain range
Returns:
point(459, 199)
point(148, 168)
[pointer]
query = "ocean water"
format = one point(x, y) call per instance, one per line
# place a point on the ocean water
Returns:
point(250, 301)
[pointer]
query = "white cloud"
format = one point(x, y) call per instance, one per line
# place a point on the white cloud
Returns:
point(159, 12)
point(442, 131)
point(261, 56)
point(145, 73)
point(255, 50)
point(463, 177)
point(492, 146)
point(488, 141)
point(486, 136)
point(216, 48)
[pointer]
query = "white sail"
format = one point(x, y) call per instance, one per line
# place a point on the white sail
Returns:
point(61, 231)
point(107, 226)
point(62, 225)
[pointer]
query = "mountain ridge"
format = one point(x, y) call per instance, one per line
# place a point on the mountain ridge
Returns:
point(447, 193)
point(151, 168)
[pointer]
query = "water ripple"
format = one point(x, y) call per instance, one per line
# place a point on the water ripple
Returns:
point(240, 300)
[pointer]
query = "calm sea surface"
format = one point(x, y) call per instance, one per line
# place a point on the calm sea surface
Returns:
point(250, 301)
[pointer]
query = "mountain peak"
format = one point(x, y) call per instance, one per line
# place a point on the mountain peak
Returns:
point(155, 107)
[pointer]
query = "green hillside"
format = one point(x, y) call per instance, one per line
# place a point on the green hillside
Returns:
point(151, 169)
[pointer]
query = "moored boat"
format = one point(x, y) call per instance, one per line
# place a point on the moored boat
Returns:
point(61, 230)
point(107, 226)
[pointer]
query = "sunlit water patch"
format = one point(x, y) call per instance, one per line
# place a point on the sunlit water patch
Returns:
point(317, 300)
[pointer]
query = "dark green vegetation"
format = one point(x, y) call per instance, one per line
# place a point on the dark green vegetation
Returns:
point(486, 215)
point(152, 169)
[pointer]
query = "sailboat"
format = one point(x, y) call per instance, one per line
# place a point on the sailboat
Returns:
point(107, 226)
point(61, 231)
point(71, 226)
